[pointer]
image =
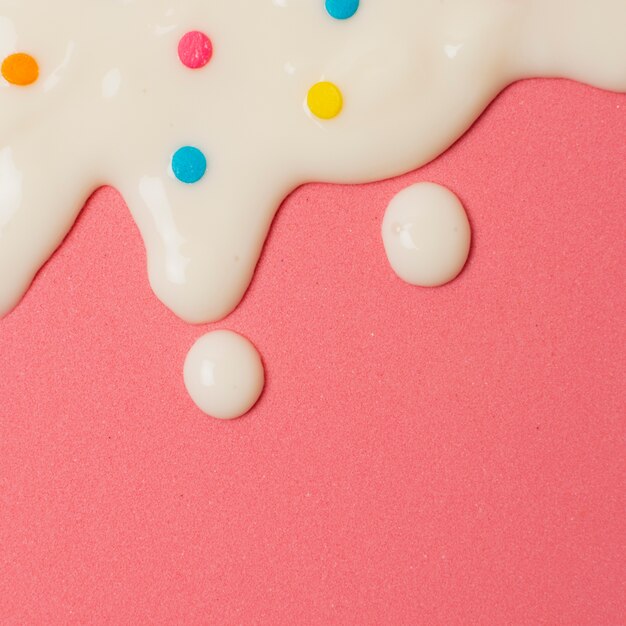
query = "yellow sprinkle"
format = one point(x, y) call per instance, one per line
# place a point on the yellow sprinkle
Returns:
point(20, 69)
point(325, 100)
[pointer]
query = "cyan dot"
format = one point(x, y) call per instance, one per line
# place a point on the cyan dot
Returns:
point(342, 9)
point(189, 165)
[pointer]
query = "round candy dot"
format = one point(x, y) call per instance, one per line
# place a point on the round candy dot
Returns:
point(195, 50)
point(342, 9)
point(20, 69)
point(224, 374)
point(189, 164)
point(325, 100)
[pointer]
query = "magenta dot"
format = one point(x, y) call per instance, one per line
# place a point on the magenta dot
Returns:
point(195, 50)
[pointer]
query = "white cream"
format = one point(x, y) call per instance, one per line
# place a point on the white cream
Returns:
point(113, 103)
point(224, 374)
point(426, 235)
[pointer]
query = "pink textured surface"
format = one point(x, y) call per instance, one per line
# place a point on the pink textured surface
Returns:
point(451, 456)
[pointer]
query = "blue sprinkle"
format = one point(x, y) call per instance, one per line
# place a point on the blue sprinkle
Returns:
point(342, 9)
point(189, 165)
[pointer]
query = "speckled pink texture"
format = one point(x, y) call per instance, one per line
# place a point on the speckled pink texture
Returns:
point(447, 456)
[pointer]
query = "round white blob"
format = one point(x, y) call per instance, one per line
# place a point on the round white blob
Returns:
point(224, 374)
point(426, 235)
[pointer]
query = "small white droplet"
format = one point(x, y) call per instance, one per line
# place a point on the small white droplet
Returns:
point(426, 235)
point(224, 374)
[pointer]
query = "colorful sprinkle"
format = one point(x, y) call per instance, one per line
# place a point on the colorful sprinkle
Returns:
point(342, 9)
point(325, 100)
point(195, 50)
point(189, 165)
point(20, 69)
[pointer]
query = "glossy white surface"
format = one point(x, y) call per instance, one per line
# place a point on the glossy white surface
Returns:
point(426, 235)
point(224, 374)
point(113, 103)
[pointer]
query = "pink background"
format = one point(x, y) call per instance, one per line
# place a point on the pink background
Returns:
point(447, 456)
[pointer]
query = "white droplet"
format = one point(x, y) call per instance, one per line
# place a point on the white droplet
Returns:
point(224, 374)
point(426, 235)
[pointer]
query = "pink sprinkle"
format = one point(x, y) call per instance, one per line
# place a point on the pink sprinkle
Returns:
point(195, 49)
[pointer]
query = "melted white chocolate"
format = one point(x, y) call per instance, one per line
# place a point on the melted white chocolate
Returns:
point(113, 103)
point(426, 235)
point(224, 374)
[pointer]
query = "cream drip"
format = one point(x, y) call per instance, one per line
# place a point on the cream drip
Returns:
point(113, 103)
point(224, 374)
point(426, 235)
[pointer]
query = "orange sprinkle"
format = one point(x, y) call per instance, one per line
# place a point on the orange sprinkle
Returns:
point(20, 69)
